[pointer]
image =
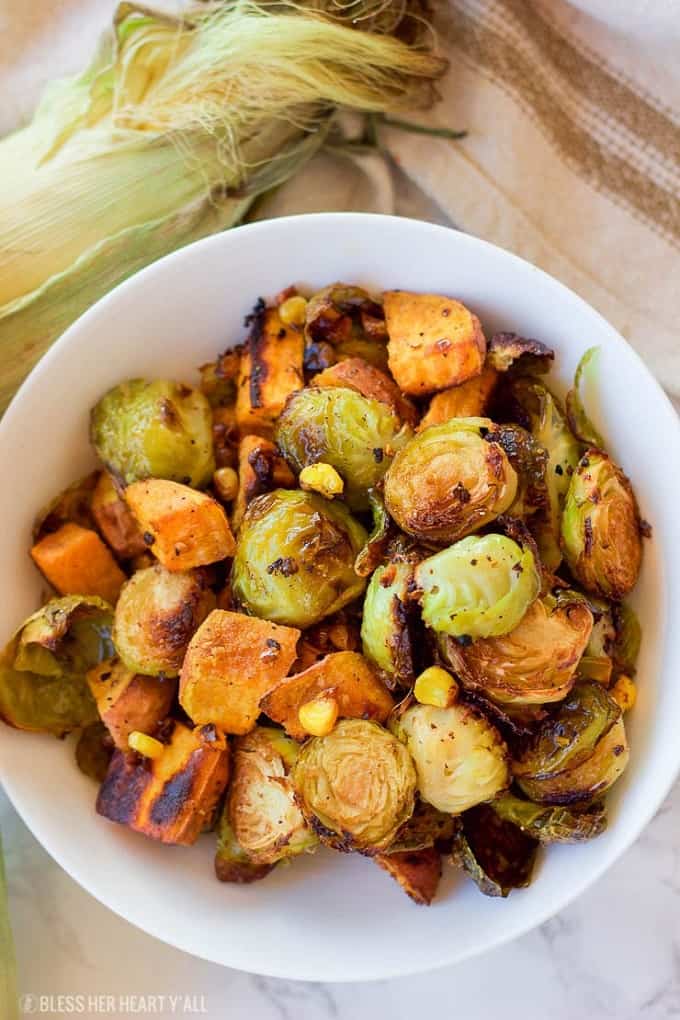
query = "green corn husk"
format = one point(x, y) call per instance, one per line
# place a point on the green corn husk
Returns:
point(170, 135)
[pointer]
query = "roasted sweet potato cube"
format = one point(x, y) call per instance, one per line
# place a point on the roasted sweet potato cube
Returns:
point(417, 872)
point(434, 341)
point(231, 661)
point(128, 701)
point(270, 370)
point(76, 562)
point(469, 400)
point(260, 469)
point(173, 797)
point(184, 528)
point(357, 374)
point(348, 675)
point(114, 519)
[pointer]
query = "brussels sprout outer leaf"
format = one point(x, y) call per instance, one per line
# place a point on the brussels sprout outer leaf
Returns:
point(551, 824)
point(417, 871)
point(628, 637)
point(94, 750)
point(373, 552)
point(496, 854)
point(509, 350)
point(579, 422)
point(385, 626)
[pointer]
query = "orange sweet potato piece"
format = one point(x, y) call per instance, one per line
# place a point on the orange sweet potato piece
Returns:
point(260, 469)
point(357, 374)
point(469, 400)
point(417, 872)
point(434, 341)
point(355, 686)
point(225, 435)
point(76, 562)
point(188, 528)
point(128, 701)
point(114, 519)
point(231, 661)
point(271, 369)
point(173, 797)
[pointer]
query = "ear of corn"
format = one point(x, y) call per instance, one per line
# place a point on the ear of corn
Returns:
point(170, 135)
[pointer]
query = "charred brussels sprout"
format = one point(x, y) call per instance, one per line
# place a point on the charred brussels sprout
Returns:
point(536, 662)
point(356, 435)
point(385, 633)
point(577, 752)
point(157, 429)
point(356, 786)
point(461, 759)
point(42, 670)
point(496, 854)
point(295, 555)
point(601, 528)
point(156, 616)
point(449, 481)
point(265, 819)
point(529, 460)
point(344, 322)
point(551, 824)
point(543, 416)
point(477, 588)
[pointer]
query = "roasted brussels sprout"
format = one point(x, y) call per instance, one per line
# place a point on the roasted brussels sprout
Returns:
point(579, 422)
point(449, 481)
point(627, 637)
point(156, 616)
point(265, 819)
point(294, 561)
point(460, 758)
point(536, 662)
point(496, 854)
point(344, 322)
point(577, 752)
point(539, 411)
point(42, 670)
point(372, 554)
point(551, 824)
point(157, 429)
point(232, 863)
point(356, 787)
point(601, 527)
point(529, 460)
point(480, 587)
point(356, 435)
point(94, 750)
point(385, 630)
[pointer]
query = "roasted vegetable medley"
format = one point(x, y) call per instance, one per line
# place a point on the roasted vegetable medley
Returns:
point(361, 587)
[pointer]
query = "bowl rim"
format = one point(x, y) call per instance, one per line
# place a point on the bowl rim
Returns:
point(643, 816)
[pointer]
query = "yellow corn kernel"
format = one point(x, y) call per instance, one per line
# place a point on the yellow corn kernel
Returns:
point(435, 687)
point(624, 692)
point(293, 311)
point(225, 481)
point(321, 478)
point(318, 716)
point(145, 745)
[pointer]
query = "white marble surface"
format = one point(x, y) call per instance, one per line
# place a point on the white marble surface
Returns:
point(615, 953)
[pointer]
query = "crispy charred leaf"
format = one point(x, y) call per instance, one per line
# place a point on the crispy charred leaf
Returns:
point(426, 827)
point(496, 854)
point(551, 824)
point(579, 422)
point(232, 863)
point(350, 322)
point(568, 737)
point(42, 669)
point(373, 553)
point(628, 637)
point(417, 872)
point(530, 461)
point(73, 504)
point(94, 750)
point(509, 350)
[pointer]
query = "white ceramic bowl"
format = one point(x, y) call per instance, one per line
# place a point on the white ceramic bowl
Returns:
point(327, 917)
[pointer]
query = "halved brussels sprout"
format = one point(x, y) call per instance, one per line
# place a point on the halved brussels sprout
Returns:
point(496, 854)
point(541, 413)
point(157, 429)
point(94, 751)
point(232, 863)
point(477, 588)
point(347, 323)
point(461, 759)
point(294, 561)
point(356, 435)
point(42, 670)
point(551, 824)
point(385, 632)
point(156, 616)
point(601, 527)
point(356, 787)
point(536, 662)
point(449, 481)
point(265, 819)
